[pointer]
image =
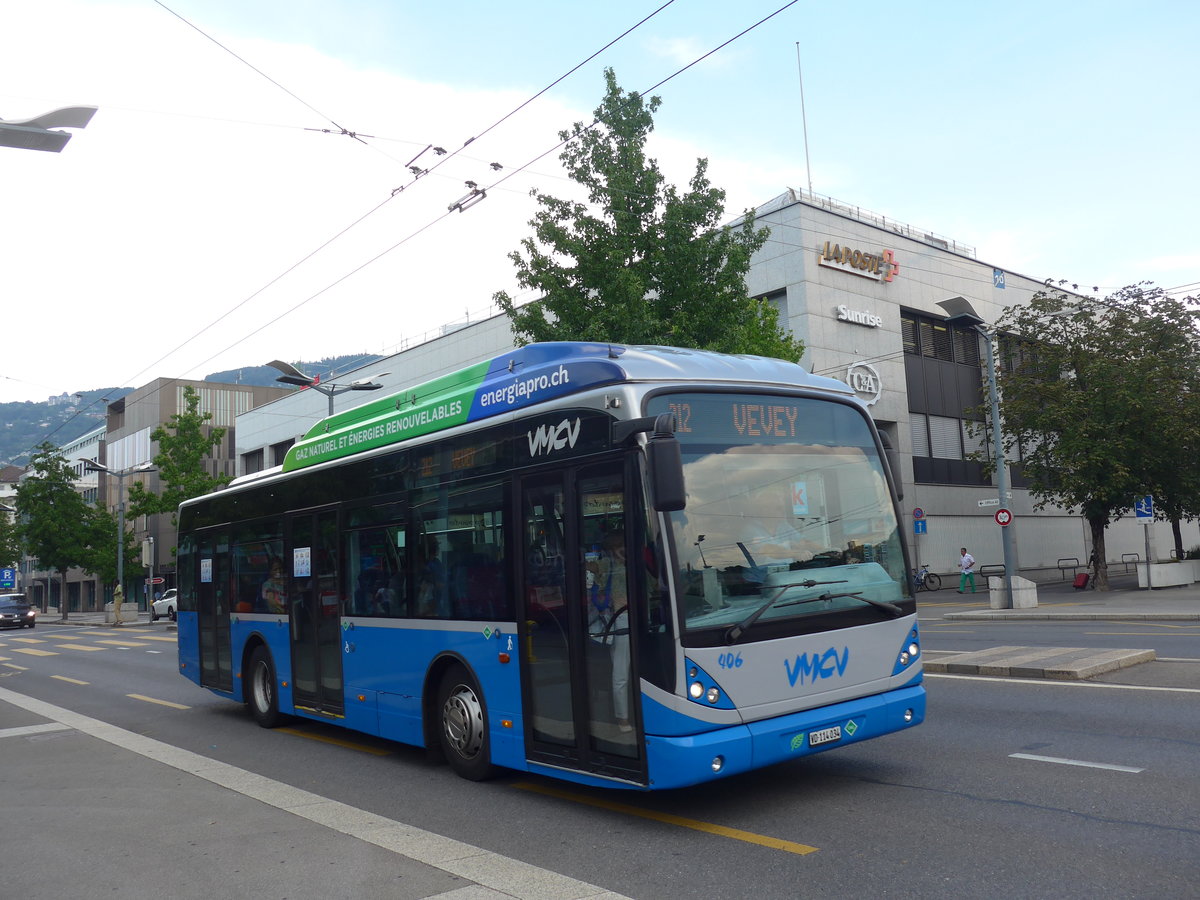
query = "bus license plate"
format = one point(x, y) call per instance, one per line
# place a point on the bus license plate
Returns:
point(825, 735)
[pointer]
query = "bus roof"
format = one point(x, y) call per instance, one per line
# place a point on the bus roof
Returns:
point(525, 377)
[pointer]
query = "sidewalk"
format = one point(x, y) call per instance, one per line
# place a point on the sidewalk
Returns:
point(94, 809)
point(1059, 601)
point(52, 617)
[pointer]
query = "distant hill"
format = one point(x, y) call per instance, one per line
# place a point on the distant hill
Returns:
point(62, 419)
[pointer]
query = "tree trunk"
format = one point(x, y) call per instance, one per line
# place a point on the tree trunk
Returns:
point(1099, 559)
point(1177, 533)
point(62, 596)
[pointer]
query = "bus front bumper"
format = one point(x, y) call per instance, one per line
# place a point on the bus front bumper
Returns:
point(694, 759)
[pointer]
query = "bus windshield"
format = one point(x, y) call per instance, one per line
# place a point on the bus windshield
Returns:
point(788, 511)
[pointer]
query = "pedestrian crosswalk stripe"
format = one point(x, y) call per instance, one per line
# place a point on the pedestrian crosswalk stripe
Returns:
point(31, 651)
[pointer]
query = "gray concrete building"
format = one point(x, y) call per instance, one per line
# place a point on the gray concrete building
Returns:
point(862, 291)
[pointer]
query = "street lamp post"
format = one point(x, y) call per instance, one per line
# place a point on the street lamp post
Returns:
point(120, 476)
point(961, 311)
point(292, 375)
point(35, 133)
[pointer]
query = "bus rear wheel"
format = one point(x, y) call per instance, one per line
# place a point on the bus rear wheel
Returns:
point(462, 725)
point(263, 698)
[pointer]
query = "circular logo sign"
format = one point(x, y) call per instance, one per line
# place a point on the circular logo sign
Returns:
point(1003, 517)
point(918, 513)
point(864, 379)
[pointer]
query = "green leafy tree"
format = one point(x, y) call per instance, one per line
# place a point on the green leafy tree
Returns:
point(1084, 405)
point(53, 517)
point(10, 547)
point(640, 262)
point(100, 552)
point(183, 445)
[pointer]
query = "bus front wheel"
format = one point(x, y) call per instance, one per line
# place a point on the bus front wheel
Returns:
point(263, 696)
point(462, 723)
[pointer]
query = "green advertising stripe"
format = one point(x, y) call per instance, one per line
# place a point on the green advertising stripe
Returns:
point(427, 393)
point(395, 425)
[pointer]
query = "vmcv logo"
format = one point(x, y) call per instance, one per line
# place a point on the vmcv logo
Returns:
point(810, 667)
point(549, 438)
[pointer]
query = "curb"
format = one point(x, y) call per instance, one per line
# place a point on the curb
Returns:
point(1053, 663)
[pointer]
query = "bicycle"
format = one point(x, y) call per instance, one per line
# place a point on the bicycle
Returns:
point(924, 580)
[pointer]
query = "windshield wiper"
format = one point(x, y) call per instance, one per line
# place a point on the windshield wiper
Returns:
point(734, 632)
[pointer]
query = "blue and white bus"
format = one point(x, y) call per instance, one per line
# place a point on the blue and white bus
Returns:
point(637, 567)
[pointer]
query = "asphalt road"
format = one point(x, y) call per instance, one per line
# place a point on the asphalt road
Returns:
point(1011, 788)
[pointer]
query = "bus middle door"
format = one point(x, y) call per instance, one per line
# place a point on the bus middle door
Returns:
point(314, 613)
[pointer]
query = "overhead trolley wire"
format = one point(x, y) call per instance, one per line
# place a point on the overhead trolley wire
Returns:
point(357, 221)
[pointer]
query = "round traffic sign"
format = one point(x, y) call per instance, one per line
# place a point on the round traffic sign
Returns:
point(918, 513)
point(1003, 517)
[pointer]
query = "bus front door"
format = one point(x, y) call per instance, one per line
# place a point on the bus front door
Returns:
point(576, 661)
point(314, 613)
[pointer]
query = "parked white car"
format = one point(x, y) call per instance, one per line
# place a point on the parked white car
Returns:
point(166, 605)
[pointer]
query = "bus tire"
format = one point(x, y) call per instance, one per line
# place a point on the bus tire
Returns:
point(462, 725)
point(263, 696)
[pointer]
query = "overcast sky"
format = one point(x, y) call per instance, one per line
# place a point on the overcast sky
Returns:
point(170, 237)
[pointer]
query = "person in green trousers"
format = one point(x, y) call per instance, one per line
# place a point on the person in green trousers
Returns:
point(967, 564)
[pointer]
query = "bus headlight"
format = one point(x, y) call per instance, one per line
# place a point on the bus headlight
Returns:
point(695, 690)
point(713, 695)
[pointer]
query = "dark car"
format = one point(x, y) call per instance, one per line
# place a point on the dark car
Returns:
point(15, 612)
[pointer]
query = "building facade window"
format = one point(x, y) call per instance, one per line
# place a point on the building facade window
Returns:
point(252, 462)
point(945, 388)
point(279, 451)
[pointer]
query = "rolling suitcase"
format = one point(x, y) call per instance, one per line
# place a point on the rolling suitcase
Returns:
point(1081, 581)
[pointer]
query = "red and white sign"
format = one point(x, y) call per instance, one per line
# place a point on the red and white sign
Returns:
point(1003, 517)
point(155, 580)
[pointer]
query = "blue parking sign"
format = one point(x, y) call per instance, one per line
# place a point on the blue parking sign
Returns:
point(8, 578)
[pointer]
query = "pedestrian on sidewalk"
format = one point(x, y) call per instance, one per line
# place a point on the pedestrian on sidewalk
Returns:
point(967, 564)
point(118, 598)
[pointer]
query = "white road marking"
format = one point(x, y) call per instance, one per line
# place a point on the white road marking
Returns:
point(1075, 762)
point(510, 877)
point(1050, 682)
point(32, 729)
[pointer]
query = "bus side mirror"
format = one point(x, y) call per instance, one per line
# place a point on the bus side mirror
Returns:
point(664, 462)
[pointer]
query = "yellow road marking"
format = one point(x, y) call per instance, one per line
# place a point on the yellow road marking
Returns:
point(9, 665)
point(159, 702)
point(338, 742)
point(79, 647)
point(30, 651)
point(720, 830)
point(122, 643)
point(72, 680)
point(155, 637)
point(30, 640)
point(1135, 633)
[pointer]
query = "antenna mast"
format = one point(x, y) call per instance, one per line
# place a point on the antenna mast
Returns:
point(804, 120)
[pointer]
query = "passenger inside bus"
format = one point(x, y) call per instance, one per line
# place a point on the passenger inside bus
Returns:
point(273, 596)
